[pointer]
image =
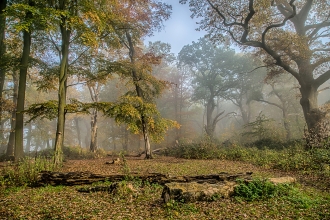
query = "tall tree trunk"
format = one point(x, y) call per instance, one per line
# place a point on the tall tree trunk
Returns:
point(3, 4)
point(245, 111)
point(114, 138)
point(93, 144)
point(19, 152)
point(210, 127)
point(286, 122)
point(94, 92)
point(59, 139)
point(139, 94)
point(48, 145)
point(284, 107)
point(313, 115)
point(76, 120)
point(11, 142)
point(28, 138)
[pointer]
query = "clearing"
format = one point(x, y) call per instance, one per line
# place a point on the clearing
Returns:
point(310, 201)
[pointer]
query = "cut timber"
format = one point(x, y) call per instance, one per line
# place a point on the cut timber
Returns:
point(81, 178)
point(191, 192)
point(203, 189)
point(208, 190)
point(282, 180)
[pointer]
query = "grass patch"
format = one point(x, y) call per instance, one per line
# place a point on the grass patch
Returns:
point(259, 189)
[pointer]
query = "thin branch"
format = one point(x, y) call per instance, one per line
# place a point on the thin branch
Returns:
point(321, 90)
point(80, 55)
point(259, 67)
point(223, 17)
point(233, 113)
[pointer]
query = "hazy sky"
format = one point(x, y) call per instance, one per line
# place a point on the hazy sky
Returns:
point(179, 29)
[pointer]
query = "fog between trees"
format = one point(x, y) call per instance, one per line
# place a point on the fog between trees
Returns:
point(92, 82)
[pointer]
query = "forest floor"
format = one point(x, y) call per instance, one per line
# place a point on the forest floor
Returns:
point(311, 201)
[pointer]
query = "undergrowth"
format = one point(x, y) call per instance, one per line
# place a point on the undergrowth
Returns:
point(24, 172)
point(74, 153)
point(293, 157)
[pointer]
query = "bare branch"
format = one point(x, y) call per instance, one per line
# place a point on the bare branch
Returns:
point(320, 62)
point(223, 17)
point(316, 28)
point(322, 78)
point(303, 14)
point(270, 103)
point(280, 24)
point(216, 118)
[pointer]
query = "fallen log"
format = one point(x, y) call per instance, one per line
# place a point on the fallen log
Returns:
point(193, 191)
point(208, 191)
point(82, 178)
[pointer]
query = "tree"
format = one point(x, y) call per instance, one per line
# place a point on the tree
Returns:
point(11, 142)
point(19, 150)
point(85, 21)
point(3, 5)
point(26, 17)
point(284, 93)
point(289, 35)
point(142, 19)
point(94, 90)
point(210, 67)
point(174, 99)
point(246, 84)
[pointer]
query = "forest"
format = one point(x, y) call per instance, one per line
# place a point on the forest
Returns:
point(109, 126)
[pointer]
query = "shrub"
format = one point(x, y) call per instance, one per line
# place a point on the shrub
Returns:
point(74, 153)
point(257, 189)
point(292, 157)
point(25, 172)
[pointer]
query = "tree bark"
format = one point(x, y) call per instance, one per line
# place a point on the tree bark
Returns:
point(3, 5)
point(94, 92)
point(312, 114)
point(93, 144)
point(11, 142)
point(59, 140)
point(76, 120)
point(28, 139)
point(209, 129)
point(19, 127)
